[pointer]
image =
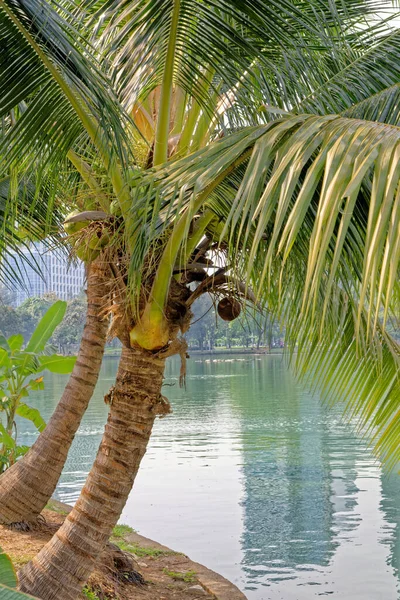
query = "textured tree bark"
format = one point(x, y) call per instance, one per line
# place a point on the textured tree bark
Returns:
point(28, 485)
point(62, 567)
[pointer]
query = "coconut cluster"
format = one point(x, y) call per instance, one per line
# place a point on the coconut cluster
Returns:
point(88, 237)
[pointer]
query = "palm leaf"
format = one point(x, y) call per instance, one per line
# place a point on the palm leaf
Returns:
point(59, 87)
point(306, 230)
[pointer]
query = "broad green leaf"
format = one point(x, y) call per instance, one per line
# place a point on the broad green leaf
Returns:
point(46, 326)
point(4, 359)
point(15, 342)
point(57, 363)
point(5, 437)
point(7, 572)
point(21, 450)
point(4, 343)
point(25, 362)
point(37, 384)
point(32, 414)
point(7, 593)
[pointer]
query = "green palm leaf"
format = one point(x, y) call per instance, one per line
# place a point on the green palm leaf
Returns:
point(309, 232)
point(59, 79)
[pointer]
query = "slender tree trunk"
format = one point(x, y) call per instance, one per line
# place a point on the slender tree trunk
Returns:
point(62, 567)
point(28, 485)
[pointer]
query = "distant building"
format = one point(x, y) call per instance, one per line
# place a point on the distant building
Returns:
point(58, 275)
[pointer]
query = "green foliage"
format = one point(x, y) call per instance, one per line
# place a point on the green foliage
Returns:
point(24, 318)
point(7, 593)
point(20, 372)
point(69, 332)
point(251, 329)
point(187, 576)
point(45, 329)
point(8, 576)
point(140, 551)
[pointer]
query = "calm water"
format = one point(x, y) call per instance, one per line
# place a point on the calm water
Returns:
point(256, 479)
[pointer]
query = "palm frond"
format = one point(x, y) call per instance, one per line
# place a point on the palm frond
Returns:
point(28, 213)
point(310, 213)
point(50, 76)
point(232, 39)
point(366, 75)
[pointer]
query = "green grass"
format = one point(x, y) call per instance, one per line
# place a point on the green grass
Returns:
point(140, 551)
point(55, 508)
point(187, 577)
point(120, 531)
point(118, 538)
point(21, 560)
point(89, 593)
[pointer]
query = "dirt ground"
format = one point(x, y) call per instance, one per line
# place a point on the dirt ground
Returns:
point(167, 575)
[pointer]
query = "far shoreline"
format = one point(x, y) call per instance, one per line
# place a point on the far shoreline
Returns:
point(115, 352)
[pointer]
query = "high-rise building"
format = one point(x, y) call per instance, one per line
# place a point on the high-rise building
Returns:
point(58, 275)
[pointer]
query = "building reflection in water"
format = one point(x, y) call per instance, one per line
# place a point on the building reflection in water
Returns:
point(314, 507)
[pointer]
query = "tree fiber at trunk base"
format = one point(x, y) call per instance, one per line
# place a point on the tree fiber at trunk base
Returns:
point(164, 571)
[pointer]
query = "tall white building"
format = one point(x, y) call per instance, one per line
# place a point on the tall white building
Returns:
point(58, 275)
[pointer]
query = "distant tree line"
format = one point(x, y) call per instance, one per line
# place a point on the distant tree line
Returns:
point(208, 331)
point(25, 317)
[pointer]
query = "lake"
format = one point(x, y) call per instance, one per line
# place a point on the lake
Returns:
point(255, 478)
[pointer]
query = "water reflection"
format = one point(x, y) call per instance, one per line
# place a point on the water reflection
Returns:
point(255, 478)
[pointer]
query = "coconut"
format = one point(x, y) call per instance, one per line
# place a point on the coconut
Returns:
point(72, 228)
point(229, 308)
point(98, 239)
point(115, 208)
point(86, 254)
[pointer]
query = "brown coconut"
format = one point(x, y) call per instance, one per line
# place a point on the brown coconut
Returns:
point(229, 309)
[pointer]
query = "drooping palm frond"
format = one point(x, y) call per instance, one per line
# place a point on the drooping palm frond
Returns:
point(217, 55)
point(310, 209)
point(226, 36)
point(366, 381)
point(52, 89)
point(365, 87)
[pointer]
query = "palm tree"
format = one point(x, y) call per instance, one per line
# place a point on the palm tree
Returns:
point(300, 200)
point(197, 110)
point(67, 100)
point(27, 216)
point(28, 485)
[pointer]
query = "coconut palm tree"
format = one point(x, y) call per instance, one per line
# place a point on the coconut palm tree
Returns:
point(199, 109)
point(281, 213)
point(26, 216)
point(28, 485)
point(59, 96)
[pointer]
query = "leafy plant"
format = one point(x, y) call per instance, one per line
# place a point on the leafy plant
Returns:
point(8, 579)
point(121, 530)
point(8, 575)
point(20, 372)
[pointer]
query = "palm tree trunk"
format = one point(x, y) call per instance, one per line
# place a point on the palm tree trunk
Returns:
point(62, 567)
point(27, 486)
